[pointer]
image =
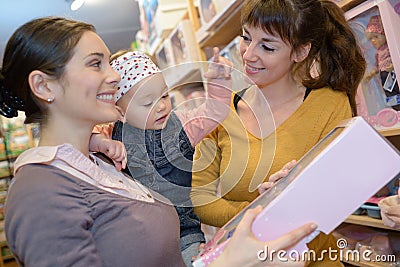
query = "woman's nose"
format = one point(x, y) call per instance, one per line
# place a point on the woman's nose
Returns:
point(114, 77)
point(249, 53)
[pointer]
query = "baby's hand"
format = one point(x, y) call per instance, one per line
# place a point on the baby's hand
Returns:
point(219, 68)
point(113, 149)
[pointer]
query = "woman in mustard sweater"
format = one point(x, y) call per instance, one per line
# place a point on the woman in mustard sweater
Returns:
point(306, 63)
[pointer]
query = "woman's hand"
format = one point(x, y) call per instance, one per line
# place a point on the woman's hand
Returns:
point(277, 176)
point(242, 249)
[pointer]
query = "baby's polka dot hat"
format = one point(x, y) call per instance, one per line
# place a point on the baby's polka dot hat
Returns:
point(133, 67)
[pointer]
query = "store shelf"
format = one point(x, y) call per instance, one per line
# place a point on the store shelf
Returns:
point(348, 4)
point(5, 251)
point(367, 221)
point(222, 28)
point(390, 132)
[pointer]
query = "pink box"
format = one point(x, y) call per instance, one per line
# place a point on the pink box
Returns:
point(328, 184)
point(378, 95)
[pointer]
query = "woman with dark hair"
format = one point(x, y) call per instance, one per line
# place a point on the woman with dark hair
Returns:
point(306, 63)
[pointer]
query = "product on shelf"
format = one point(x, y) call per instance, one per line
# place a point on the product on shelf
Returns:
point(209, 8)
point(183, 54)
point(376, 26)
point(164, 55)
point(158, 18)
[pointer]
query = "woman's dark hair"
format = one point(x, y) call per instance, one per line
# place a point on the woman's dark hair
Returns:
point(335, 58)
point(45, 44)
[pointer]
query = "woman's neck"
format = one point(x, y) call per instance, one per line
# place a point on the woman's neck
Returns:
point(55, 134)
point(280, 95)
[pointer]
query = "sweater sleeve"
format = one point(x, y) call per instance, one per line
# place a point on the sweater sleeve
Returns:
point(200, 121)
point(208, 205)
point(105, 129)
point(47, 220)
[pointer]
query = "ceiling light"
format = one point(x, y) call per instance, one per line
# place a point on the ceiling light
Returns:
point(76, 4)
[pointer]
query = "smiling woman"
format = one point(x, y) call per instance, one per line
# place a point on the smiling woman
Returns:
point(82, 206)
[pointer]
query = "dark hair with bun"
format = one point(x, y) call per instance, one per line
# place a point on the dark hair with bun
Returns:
point(45, 44)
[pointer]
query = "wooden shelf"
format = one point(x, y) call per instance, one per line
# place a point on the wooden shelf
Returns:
point(390, 132)
point(11, 157)
point(5, 176)
point(222, 28)
point(367, 221)
point(348, 4)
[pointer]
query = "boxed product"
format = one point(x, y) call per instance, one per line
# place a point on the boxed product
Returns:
point(164, 55)
point(183, 55)
point(159, 17)
point(376, 25)
point(327, 184)
point(208, 9)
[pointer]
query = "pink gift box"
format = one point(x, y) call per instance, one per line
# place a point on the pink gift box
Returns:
point(327, 184)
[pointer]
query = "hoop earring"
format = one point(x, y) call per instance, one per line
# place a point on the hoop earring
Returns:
point(50, 100)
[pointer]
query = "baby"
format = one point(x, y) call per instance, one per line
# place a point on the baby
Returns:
point(160, 141)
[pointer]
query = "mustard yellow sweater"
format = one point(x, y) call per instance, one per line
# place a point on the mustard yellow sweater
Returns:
point(231, 162)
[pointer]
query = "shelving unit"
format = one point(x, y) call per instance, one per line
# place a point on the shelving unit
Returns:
point(390, 132)
point(348, 4)
point(222, 28)
point(367, 221)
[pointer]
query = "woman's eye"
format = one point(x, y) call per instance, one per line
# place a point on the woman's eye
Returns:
point(165, 96)
point(267, 48)
point(148, 104)
point(96, 64)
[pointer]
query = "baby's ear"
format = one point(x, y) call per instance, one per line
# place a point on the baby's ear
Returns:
point(38, 83)
point(302, 53)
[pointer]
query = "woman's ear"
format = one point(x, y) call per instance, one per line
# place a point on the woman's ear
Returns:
point(39, 87)
point(302, 52)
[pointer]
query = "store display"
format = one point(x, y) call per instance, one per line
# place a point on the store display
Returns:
point(372, 210)
point(16, 139)
point(333, 168)
point(158, 18)
point(209, 8)
point(183, 42)
point(378, 97)
point(164, 55)
point(185, 56)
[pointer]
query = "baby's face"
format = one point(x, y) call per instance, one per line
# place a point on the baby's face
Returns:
point(376, 39)
point(150, 104)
